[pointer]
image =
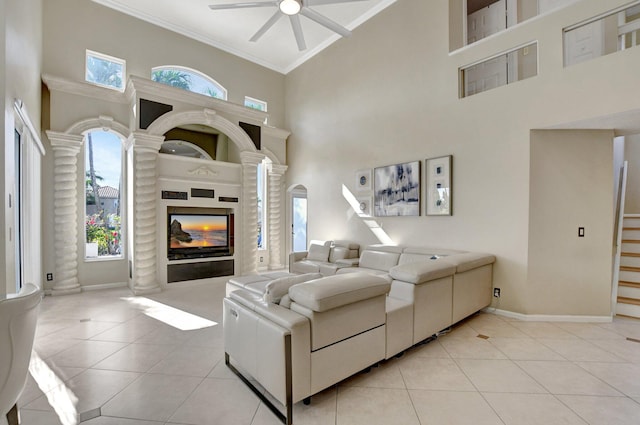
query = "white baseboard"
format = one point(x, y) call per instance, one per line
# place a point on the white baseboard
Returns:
point(549, 317)
point(102, 286)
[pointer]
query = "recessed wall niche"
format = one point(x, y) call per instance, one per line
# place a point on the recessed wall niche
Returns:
point(202, 142)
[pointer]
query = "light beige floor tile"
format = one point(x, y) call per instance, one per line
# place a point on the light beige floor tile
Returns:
point(433, 349)
point(499, 329)
point(524, 349)
point(374, 406)
point(151, 397)
point(136, 357)
point(34, 417)
point(532, 409)
point(579, 350)
point(321, 411)
point(589, 331)
point(604, 410)
point(543, 330)
point(106, 420)
point(85, 354)
point(51, 345)
point(625, 377)
point(84, 330)
point(218, 401)
point(212, 337)
point(471, 348)
point(502, 376)
point(129, 331)
point(627, 350)
point(190, 361)
point(433, 374)
point(626, 327)
point(566, 378)
point(33, 390)
point(165, 335)
point(460, 408)
point(46, 327)
point(461, 330)
point(386, 375)
point(221, 371)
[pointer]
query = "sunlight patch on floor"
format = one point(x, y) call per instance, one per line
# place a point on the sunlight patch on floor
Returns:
point(172, 316)
point(61, 398)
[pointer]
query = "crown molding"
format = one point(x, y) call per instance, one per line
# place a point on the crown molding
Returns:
point(84, 89)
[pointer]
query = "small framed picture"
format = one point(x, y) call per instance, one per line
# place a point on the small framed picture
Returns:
point(363, 179)
point(439, 189)
point(364, 205)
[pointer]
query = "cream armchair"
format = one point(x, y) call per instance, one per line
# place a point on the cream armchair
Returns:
point(18, 318)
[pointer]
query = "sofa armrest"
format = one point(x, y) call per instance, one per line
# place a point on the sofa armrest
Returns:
point(422, 271)
point(470, 260)
point(297, 256)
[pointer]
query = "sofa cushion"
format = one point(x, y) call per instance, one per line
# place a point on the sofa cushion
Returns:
point(335, 291)
point(470, 260)
point(338, 253)
point(275, 289)
point(422, 271)
point(378, 260)
point(318, 252)
point(305, 266)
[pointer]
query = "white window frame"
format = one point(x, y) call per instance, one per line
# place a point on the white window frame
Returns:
point(219, 86)
point(263, 168)
point(122, 194)
point(248, 100)
point(108, 58)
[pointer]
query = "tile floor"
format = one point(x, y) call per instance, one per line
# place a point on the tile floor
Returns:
point(104, 360)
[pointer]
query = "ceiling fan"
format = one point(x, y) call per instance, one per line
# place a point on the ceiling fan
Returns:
point(293, 9)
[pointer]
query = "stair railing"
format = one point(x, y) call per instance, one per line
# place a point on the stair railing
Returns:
point(619, 226)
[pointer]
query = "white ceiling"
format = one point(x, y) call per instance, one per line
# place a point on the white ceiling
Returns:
point(230, 30)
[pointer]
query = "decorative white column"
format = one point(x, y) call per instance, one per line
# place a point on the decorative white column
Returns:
point(143, 199)
point(250, 161)
point(65, 175)
point(274, 176)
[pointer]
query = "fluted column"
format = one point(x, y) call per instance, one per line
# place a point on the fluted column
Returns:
point(65, 176)
point(274, 176)
point(143, 151)
point(250, 163)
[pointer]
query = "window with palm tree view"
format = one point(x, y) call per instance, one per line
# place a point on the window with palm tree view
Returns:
point(104, 70)
point(188, 79)
point(103, 184)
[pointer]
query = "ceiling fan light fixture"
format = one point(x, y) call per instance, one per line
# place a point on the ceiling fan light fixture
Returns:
point(290, 7)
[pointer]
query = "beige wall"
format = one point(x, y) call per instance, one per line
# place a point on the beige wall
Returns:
point(570, 187)
point(632, 155)
point(377, 99)
point(72, 26)
point(21, 52)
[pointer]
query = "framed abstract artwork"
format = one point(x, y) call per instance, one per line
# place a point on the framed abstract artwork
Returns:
point(397, 190)
point(438, 183)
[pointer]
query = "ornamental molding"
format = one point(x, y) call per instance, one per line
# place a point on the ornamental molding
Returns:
point(84, 89)
point(202, 171)
point(103, 122)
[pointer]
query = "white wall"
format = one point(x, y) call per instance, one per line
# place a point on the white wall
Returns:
point(632, 154)
point(21, 53)
point(389, 94)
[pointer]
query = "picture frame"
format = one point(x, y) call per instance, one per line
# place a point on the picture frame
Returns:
point(439, 189)
point(364, 203)
point(363, 180)
point(397, 190)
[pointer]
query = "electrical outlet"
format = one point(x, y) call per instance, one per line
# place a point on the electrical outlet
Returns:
point(496, 292)
point(581, 232)
point(49, 277)
point(261, 259)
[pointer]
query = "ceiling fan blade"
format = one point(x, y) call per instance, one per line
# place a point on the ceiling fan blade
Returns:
point(297, 31)
point(321, 2)
point(325, 22)
point(271, 22)
point(245, 5)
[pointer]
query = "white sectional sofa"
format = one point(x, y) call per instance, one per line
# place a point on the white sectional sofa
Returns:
point(304, 333)
point(324, 257)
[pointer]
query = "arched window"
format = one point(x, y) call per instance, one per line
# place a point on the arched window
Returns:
point(188, 79)
point(103, 194)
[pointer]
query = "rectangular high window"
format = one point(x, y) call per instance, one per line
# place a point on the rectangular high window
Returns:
point(105, 71)
point(252, 103)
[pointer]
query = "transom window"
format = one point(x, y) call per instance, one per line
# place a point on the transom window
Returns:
point(254, 103)
point(104, 70)
point(188, 79)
